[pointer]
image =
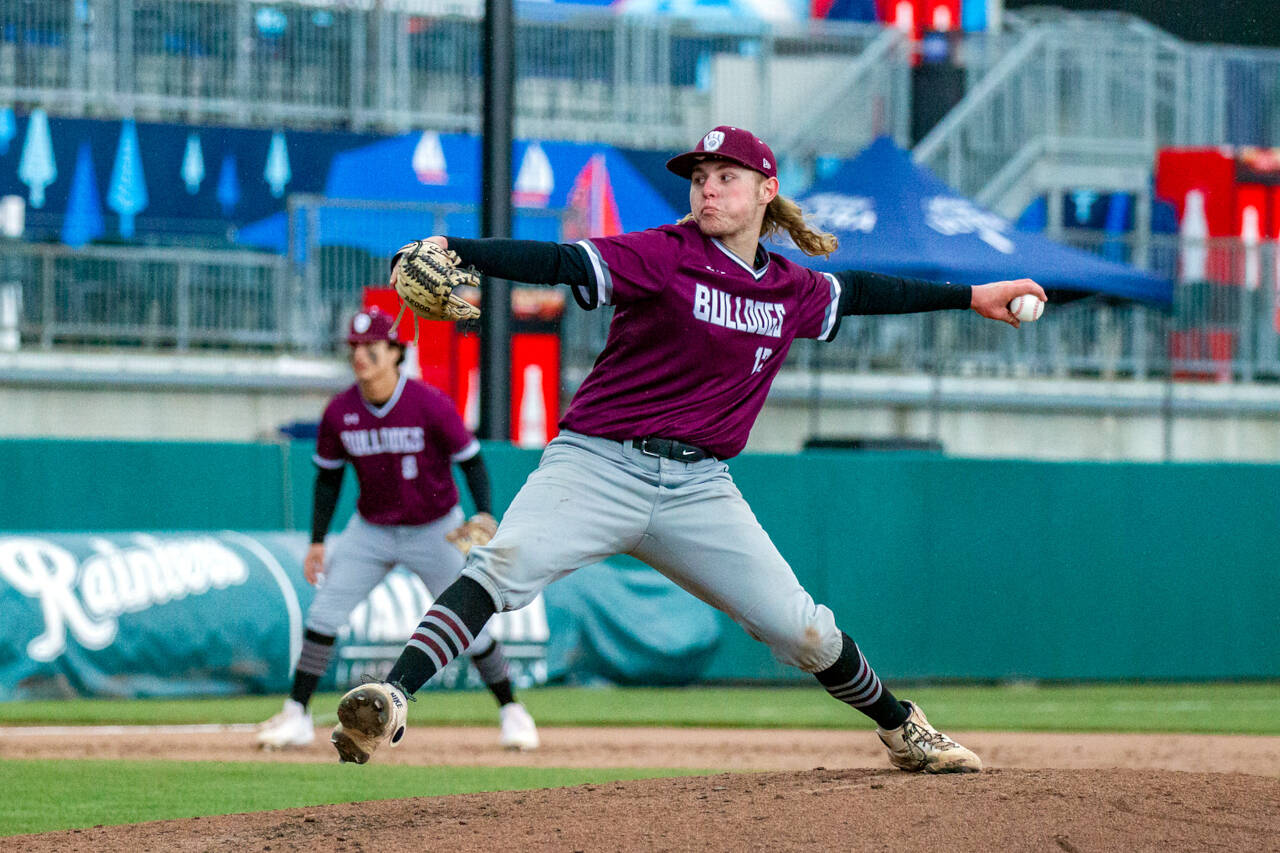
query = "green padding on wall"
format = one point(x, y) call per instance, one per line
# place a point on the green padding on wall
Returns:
point(126, 485)
point(1003, 569)
point(301, 488)
point(939, 568)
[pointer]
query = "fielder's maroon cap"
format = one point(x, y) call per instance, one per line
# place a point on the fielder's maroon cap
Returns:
point(728, 143)
point(371, 325)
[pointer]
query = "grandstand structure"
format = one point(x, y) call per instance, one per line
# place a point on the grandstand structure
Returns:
point(1054, 103)
point(584, 72)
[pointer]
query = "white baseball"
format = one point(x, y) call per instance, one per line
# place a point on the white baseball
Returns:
point(1027, 307)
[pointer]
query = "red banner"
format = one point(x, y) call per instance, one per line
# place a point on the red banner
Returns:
point(450, 361)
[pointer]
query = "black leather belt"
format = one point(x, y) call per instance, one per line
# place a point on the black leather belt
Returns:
point(670, 449)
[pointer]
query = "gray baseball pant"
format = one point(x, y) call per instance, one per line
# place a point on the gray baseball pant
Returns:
point(365, 552)
point(592, 498)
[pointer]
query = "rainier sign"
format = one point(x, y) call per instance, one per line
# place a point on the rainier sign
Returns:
point(85, 598)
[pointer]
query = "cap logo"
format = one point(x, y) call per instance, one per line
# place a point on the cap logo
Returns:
point(766, 162)
point(361, 323)
point(713, 140)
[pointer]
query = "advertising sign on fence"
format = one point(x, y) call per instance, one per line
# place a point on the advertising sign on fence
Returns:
point(147, 614)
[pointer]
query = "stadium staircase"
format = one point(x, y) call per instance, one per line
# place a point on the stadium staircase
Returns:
point(847, 108)
point(1064, 101)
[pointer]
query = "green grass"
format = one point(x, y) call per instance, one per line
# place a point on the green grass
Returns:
point(1252, 708)
point(42, 796)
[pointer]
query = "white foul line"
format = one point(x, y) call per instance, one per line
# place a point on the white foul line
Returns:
point(196, 728)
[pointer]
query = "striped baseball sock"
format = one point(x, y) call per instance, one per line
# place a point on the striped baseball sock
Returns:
point(450, 625)
point(317, 650)
point(852, 680)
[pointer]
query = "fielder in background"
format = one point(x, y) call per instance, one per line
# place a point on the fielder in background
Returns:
point(402, 436)
point(704, 318)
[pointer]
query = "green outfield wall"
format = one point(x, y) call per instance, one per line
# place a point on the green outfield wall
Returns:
point(126, 485)
point(940, 568)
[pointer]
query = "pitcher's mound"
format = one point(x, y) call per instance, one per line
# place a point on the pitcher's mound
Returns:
point(816, 810)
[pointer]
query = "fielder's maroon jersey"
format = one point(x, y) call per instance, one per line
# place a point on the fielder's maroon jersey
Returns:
point(402, 451)
point(697, 336)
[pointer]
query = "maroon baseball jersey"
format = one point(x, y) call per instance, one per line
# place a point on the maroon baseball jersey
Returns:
point(697, 336)
point(402, 451)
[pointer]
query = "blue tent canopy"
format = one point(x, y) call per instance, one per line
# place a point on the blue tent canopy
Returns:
point(385, 172)
point(379, 232)
point(892, 216)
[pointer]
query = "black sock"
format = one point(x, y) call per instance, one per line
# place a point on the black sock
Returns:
point(446, 630)
point(852, 680)
point(492, 664)
point(502, 692)
point(317, 649)
point(304, 684)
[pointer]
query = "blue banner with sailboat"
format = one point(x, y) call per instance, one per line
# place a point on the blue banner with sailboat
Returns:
point(110, 181)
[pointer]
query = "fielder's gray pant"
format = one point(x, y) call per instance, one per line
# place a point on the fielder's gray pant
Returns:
point(365, 552)
point(592, 498)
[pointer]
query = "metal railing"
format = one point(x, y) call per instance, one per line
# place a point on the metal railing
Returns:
point(332, 269)
point(163, 298)
point(582, 72)
point(1055, 90)
point(1224, 328)
point(852, 103)
point(1098, 90)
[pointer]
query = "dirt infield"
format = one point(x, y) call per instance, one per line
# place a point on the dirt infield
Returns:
point(827, 790)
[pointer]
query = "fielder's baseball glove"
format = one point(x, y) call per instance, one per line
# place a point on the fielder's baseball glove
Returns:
point(425, 279)
point(477, 530)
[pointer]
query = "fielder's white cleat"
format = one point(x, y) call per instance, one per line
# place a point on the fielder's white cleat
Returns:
point(367, 716)
point(915, 745)
point(292, 727)
point(518, 730)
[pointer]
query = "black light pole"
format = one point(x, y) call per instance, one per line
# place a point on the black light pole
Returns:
point(495, 216)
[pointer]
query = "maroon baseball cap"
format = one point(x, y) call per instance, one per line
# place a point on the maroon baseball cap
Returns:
point(371, 325)
point(728, 143)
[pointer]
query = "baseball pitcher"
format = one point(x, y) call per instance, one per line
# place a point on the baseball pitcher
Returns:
point(704, 317)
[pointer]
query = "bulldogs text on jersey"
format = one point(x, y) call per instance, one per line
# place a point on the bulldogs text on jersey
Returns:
point(734, 312)
point(366, 442)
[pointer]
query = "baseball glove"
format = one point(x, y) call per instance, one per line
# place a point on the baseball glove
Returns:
point(476, 530)
point(425, 279)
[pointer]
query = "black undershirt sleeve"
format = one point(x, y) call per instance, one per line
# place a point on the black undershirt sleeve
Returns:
point(477, 483)
point(528, 262)
point(531, 262)
point(872, 293)
point(328, 486)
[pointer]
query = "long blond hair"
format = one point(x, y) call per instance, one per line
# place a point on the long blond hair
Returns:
point(783, 214)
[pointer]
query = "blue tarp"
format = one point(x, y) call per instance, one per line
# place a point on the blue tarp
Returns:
point(622, 622)
point(385, 171)
point(892, 216)
point(228, 609)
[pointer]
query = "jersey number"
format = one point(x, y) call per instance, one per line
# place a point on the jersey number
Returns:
point(762, 355)
point(409, 467)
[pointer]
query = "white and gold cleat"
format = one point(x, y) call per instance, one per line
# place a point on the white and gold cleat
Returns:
point(367, 716)
point(917, 746)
